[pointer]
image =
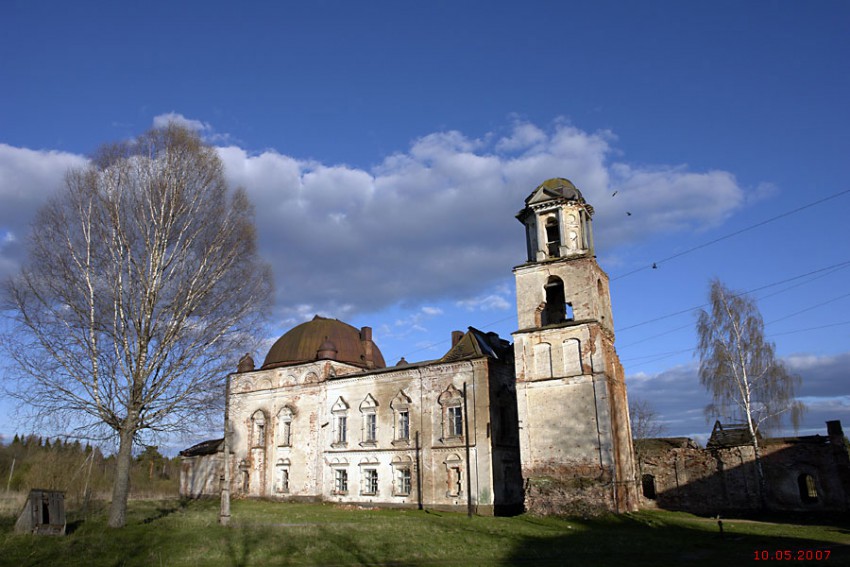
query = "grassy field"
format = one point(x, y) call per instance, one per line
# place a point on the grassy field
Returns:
point(172, 533)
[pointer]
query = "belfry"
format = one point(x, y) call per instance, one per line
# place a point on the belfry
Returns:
point(575, 438)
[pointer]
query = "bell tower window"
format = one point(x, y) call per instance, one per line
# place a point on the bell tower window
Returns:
point(553, 238)
point(557, 310)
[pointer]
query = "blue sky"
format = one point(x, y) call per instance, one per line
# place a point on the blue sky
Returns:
point(388, 145)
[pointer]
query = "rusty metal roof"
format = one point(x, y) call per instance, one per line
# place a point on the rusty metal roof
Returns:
point(302, 344)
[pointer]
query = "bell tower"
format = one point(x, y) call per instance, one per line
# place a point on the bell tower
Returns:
point(575, 437)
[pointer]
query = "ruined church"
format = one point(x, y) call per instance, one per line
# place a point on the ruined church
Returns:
point(541, 425)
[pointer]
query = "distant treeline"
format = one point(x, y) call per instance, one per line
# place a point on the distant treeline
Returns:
point(81, 470)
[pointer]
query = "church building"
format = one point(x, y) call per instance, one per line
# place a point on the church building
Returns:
point(541, 426)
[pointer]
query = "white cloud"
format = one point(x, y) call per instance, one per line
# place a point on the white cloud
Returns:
point(433, 222)
point(204, 129)
point(163, 120)
point(27, 179)
point(431, 310)
point(489, 302)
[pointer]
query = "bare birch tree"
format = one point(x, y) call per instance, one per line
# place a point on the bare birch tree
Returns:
point(646, 423)
point(739, 367)
point(141, 286)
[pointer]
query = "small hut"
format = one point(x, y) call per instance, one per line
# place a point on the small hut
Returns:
point(43, 513)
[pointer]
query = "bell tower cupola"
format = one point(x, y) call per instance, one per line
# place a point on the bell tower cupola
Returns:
point(557, 222)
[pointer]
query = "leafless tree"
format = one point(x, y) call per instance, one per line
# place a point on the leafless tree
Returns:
point(141, 286)
point(646, 423)
point(739, 367)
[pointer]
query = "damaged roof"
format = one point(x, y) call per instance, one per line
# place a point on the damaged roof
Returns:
point(208, 447)
point(475, 344)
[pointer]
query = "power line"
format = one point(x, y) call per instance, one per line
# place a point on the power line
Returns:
point(683, 253)
point(754, 290)
point(731, 234)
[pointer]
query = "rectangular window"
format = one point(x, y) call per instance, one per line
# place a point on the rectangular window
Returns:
point(371, 427)
point(286, 433)
point(455, 421)
point(341, 429)
point(261, 435)
point(403, 425)
point(370, 481)
point(341, 486)
point(403, 482)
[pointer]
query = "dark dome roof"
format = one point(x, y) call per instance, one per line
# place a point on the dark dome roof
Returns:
point(302, 344)
point(560, 187)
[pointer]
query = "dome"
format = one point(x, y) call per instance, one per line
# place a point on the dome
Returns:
point(305, 342)
point(558, 187)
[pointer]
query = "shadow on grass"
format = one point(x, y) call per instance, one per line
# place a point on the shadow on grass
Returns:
point(650, 542)
point(166, 510)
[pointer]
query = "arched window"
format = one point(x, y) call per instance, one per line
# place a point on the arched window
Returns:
point(557, 310)
point(284, 418)
point(451, 401)
point(258, 429)
point(368, 411)
point(553, 238)
point(647, 482)
point(808, 490)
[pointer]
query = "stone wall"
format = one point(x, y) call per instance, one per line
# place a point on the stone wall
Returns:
point(802, 474)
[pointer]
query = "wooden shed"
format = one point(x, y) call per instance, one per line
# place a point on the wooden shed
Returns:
point(43, 513)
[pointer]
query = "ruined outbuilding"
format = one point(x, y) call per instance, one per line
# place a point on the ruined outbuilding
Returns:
point(43, 513)
point(808, 473)
point(541, 425)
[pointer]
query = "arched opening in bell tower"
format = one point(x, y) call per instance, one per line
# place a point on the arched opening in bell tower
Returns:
point(556, 310)
point(553, 238)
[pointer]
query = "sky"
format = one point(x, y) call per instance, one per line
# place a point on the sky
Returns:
point(387, 147)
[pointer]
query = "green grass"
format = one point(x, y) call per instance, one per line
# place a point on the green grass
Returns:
point(266, 533)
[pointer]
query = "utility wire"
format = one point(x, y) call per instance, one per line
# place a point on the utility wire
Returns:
point(678, 255)
point(731, 234)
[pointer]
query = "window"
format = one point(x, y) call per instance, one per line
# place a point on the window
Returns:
point(455, 421)
point(556, 309)
point(285, 427)
point(403, 429)
point(401, 419)
point(371, 428)
point(340, 423)
point(368, 409)
point(341, 429)
point(403, 482)
point(341, 481)
point(258, 426)
point(553, 237)
point(808, 489)
point(451, 401)
point(370, 481)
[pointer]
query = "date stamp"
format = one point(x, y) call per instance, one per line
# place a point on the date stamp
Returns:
point(791, 554)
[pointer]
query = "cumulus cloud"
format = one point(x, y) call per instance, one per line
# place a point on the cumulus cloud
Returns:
point(433, 222)
point(27, 179)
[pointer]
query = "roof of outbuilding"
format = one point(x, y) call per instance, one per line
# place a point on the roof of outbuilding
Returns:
point(302, 344)
point(208, 447)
